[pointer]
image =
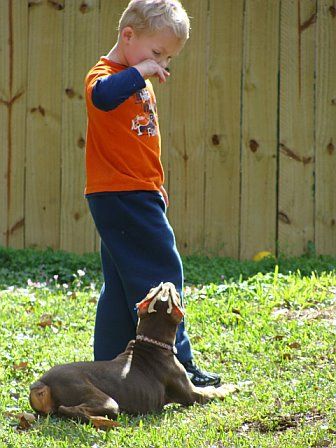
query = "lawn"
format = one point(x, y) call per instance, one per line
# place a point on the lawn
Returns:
point(266, 326)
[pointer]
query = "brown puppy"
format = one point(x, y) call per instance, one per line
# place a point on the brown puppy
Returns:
point(142, 379)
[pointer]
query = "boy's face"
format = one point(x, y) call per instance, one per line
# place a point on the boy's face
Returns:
point(160, 46)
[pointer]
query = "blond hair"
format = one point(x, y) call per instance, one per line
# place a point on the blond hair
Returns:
point(153, 15)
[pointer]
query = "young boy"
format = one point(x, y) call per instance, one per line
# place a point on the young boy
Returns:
point(125, 178)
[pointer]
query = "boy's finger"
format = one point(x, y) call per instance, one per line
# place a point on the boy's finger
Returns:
point(161, 76)
point(166, 72)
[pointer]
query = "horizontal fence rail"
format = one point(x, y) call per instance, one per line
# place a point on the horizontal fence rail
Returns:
point(248, 122)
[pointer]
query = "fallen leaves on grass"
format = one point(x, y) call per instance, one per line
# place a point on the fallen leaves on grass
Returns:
point(24, 419)
point(103, 422)
point(281, 422)
point(328, 313)
point(322, 443)
point(21, 366)
point(45, 320)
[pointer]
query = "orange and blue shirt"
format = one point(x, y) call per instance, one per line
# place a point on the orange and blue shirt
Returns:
point(123, 143)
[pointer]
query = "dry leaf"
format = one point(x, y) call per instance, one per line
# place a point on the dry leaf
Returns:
point(278, 337)
point(323, 443)
point(28, 416)
point(21, 366)
point(294, 345)
point(103, 422)
point(45, 321)
point(25, 420)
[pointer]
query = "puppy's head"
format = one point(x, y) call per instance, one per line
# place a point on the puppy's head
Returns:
point(165, 300)
point(40, 398)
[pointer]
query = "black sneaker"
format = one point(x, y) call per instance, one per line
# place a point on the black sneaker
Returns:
point(200, 378)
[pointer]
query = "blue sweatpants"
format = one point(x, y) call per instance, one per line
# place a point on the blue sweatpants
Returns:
point(138, 251)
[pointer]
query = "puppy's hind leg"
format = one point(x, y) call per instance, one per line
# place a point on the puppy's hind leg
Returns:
point(99, 404)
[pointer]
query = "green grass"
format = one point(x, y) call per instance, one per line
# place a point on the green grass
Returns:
point(272, 332)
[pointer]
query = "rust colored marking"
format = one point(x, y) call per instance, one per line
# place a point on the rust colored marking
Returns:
point(39, 109)
point(301, 28)
point(283, 218)
point(16, 97)
point(254, 145)
point(56, 5)
point(306, 160)
point(332, 11)
point(333, 101)
point(308, 22)
point(215, 140)
point(185, 156)
point(84, 7)
point(333, 222)
point(12, 100)
point(76, 216)
point(291, 154)
point(331, 147)
point(15, 227)
point(81, 142)
point(70, 92)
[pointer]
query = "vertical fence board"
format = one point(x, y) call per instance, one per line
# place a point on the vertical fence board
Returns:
point(222, 173)
point(13, 86)
point(325, 217)
point(44, 124)
point(4, 120)
point(296, 177)
point(259, 127)
point(186, 159)
point(17, 124)
point(80, 24)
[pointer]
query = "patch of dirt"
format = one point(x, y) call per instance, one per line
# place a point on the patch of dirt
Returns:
point(281, 422)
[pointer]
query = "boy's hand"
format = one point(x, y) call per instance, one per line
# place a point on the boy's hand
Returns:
point(150, 68)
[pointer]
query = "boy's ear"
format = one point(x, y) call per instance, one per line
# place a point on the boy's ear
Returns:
point(127, 34)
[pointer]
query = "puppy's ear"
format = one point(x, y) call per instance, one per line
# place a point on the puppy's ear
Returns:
point(142, 306)
point(177, 314)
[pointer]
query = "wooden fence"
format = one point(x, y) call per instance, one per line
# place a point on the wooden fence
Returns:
point(248, 122)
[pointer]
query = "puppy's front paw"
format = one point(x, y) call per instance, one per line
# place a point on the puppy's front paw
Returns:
point(226, 389)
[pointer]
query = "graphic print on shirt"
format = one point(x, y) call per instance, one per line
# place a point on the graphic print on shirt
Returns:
point(145, 123)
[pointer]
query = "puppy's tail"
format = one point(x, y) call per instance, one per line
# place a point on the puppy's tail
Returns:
point(40, 398)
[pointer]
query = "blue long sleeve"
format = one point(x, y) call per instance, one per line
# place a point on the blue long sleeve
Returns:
point(112, 90)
